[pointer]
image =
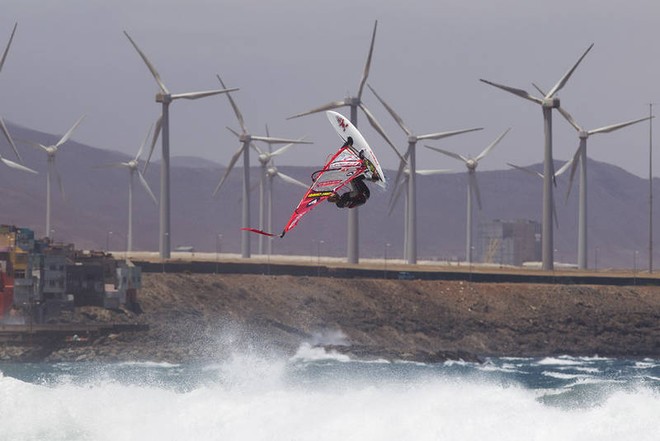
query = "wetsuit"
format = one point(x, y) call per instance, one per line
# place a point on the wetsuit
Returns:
point(357, 196)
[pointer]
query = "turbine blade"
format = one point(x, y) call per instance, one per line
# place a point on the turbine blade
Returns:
point(11, 141)
point(59, 181)
point(157, 130)
point(16, 166)
point(68, 134)
point(150, 66)
point(379, 129)
point(290, 180)
point(526, 170)
point(4, 55)
point(239, 116)
point(562, 82)
point(238, 135)
point(567, 116)
point(396, 195)
point(614, 127)
point(329, 106)
point(367, 65)
point(519, 92)
point(145, 184)
point(257, 149)
point(139, 153)
point(229, 167)
point(538, 89)
point(283, 149)
point(396, 117)
point(448, 153)
point(490, 147)
point(202, 94)
point(564, 167)
point(112, 165)
point(433, 172)
point(441, 135)
point(474, 186)
point(272, 140)
point(400, 173)
point(574, 163)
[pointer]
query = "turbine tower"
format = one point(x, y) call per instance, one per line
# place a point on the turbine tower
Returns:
point(246, 139)
point(265, 192)
point(3, 127)
point(133, 168)
point(581, 157)
point(396, 193)
point(473, 185)
point(51, 151)
point(271, 173)
point(548, 102)
point(355, 102)
point(165, 98)
point(410, 158)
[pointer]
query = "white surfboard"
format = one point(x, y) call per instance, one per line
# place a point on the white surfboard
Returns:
point(345, 129)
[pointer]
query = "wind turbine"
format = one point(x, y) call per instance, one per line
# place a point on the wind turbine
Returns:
point(246, 139)
point(410, 158)
point(51, 152)
point(2, 123)
point(396, 193)
point(548, 102)
point(559, 172)
point(355, 102)
point(165, 98)
point(268, 172)
point(473, 185)
point(133, 168)
point(581, 157)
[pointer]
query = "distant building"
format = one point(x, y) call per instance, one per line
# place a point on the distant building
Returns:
point(509, 242)
point(39, 279)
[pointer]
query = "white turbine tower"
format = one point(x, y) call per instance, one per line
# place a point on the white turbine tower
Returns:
point(355, 102)
point(271, 173)
point(268, 172)
point(51, 152)
point(410, 158)
point(396, 193)
point(581, 158)
point(3, 127)
point(246, 139)
point(133, 168)
point(165, 98)
point(548, 102)
point(473, 185)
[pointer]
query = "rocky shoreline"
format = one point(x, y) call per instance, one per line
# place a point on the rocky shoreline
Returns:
point(202, 317)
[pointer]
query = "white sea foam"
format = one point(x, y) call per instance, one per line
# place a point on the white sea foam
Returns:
point(307, 352)
point(256, 398)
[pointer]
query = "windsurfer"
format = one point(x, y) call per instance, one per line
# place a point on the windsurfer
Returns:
point(359, 193)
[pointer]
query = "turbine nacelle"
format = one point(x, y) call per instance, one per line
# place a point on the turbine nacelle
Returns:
point(164, 98)
point(471, 164)
point(583, 134)
point(551, 103)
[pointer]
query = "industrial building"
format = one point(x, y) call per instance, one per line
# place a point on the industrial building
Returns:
point(509, 242)
point(40, 278)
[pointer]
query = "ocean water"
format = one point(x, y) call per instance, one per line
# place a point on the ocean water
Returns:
point(320, 395)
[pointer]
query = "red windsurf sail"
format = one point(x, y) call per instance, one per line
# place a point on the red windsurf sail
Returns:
point(342, 168)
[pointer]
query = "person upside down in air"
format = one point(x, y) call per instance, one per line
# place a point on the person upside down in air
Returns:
point(359, 192)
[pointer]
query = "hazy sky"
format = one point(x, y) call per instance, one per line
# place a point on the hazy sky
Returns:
point(70, 58)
